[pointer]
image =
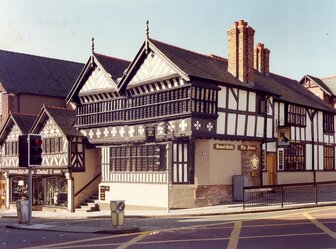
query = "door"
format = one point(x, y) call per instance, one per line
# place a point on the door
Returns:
point(271, 169)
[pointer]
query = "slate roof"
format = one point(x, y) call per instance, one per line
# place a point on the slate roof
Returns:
point(114, 66)
point(24, 121)
point(65, 119)
point(319, 82)
point(23, 73)
point(215, 68)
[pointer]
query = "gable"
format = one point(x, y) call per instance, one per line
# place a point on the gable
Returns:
point(13, 135)
point(98, 81)
point(50, 129)
point(153, 67)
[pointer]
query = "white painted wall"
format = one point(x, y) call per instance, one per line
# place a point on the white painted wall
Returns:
point(137, 194)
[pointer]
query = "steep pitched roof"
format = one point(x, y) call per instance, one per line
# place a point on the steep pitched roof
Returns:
point(319, 82)
point(292, 91)
point(330, 82)
point(23, 73)
point(115, 67)
point(65, 119)
point(23, 121)
point(214, 68)
point(198, 65)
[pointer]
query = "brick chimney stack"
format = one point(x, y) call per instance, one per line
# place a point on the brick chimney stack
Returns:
point(240, 51)
point(261, 59)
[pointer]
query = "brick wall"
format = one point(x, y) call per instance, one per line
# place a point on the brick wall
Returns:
point(241, 51)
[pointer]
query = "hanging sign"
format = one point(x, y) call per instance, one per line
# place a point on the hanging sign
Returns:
point(150, 134)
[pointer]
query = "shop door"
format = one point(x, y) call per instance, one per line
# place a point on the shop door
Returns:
point(3, 193)
point(38, 193)
point(271, 169)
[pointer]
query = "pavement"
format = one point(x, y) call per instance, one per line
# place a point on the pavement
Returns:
point(130, 212)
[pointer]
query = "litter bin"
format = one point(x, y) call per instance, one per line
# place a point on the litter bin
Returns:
point(22, 211)
point(117, 212)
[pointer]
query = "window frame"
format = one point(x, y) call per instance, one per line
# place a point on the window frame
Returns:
point(294, 156)
point(328, 122)
point(328, 158)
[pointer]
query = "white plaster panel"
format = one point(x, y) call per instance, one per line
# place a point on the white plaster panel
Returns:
point(242, 100)
point(231, 129)
point(241, 125)
point(221, 123)
point(222, 97)
point(250, 126)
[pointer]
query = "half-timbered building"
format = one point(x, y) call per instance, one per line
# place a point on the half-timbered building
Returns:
point(176, 126)
point(67, 167)
point(324, 88)
point(16, 181)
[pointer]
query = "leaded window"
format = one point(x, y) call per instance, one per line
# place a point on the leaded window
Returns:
point(167, 102)
point(296, 115)
point(329, 158)
point(328, 122)
point(138, 158)
point(52, 145)
point(182, 169)
point(204, 100)
point(11, 148)
point(295, 157)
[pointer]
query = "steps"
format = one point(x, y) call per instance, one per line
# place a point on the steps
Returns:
point(90, 204)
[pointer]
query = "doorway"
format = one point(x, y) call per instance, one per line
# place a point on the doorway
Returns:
point(271, 169)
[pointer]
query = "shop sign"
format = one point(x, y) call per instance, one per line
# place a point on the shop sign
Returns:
point(150, 134)
point(283, 136)
point(254, 162)
point(102, 192)
point(247, 147)
point(254, 173)
point(224, 146)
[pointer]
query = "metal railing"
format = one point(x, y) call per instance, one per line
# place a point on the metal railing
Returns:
point(289, 194)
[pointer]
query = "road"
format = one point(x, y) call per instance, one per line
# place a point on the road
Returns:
point(304, 228)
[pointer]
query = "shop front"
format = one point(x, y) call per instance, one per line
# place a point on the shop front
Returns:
point(48, 191)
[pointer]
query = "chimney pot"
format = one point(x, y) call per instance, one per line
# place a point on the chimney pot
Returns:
point(261, 58)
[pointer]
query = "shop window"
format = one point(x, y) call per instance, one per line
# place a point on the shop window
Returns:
point(328, 122)
point(329, 158)
point(57, 192)
point(295, 157)
point(19, 188)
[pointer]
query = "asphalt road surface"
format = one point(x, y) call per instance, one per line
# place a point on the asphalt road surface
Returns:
point(304, 228)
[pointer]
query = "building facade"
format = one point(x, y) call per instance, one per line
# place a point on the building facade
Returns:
point(324, 88)
point(60, 181)
point(177, 125)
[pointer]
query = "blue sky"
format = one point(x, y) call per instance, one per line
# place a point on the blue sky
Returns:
point(301, 34)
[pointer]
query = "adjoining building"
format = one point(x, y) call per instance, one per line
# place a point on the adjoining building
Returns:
point(177, 125)
point(27, 82)
point(67, 166)
point(324, 88)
